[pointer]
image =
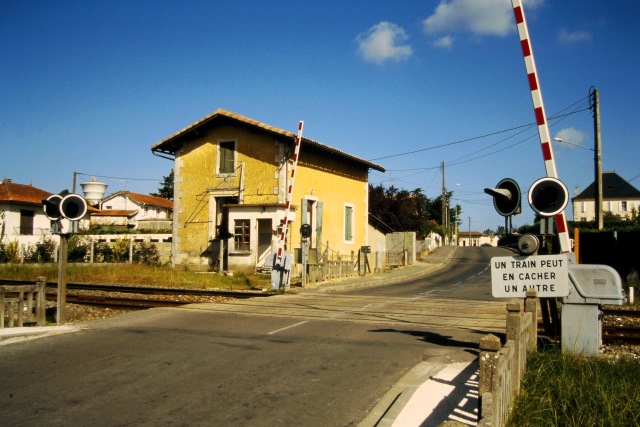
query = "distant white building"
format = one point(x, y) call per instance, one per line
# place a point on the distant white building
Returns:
point(475, 238)
point(618, 197)
point(133, 210)
point(22, 215)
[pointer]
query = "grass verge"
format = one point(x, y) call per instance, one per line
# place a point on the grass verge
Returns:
point(568, 390)
point(135, 274)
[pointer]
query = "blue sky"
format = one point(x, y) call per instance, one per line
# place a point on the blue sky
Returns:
point(90, 86)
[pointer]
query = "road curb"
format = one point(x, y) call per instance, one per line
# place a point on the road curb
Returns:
point(11, 335)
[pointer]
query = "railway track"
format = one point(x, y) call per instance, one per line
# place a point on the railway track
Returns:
point(119, 302)
point(136, 297)
point(624, 330)
point(627, 331)
point(146, 290)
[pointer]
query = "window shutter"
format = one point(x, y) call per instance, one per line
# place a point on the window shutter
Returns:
point(348, 213)
point(319, 225)
point(305, 207)
point(227, 149)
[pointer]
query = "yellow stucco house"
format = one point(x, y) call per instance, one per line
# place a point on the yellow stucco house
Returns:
point(231, 180)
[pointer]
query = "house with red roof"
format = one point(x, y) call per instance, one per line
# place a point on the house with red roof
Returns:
point(22, 212)
point(133, 210)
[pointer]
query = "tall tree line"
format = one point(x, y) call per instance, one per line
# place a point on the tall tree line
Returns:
point(405, 210)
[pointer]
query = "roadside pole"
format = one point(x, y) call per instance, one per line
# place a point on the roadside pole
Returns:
point(61, 308)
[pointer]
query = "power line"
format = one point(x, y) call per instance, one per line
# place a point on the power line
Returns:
point(459, 161)
point(554, 117)
point(635, 177)
point(451, 143)
point(118, 177)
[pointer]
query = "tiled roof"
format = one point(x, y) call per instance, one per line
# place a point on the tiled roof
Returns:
point(143, 199)
point(21, 193)
point(613, 187)
point(171, 144)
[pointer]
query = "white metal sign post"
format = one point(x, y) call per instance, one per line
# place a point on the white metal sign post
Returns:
point(513, 276)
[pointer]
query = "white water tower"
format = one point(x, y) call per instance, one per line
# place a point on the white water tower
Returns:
point(93, 191)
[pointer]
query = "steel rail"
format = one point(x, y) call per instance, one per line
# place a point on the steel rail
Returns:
point(119, 302)
point(147, 290)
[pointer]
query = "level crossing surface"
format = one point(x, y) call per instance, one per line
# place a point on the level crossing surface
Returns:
point(313, 358)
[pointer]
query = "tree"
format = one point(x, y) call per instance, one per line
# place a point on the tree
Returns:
point(404, 210)
point(166, 187)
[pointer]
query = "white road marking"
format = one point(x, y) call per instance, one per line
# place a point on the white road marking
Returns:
point(287, 327)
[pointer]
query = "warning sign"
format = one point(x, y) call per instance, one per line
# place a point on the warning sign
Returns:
point(513, 276)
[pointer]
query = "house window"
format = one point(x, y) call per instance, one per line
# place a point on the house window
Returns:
point(226, 157)
point(241, 235)
point(584, 207)
point(348, 223)
point(26, 222)
point(623, 206)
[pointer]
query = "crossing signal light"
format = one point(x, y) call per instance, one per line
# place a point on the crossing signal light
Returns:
point(506, 197)
point(52, 207)
point(71, 207)
point(548, 196)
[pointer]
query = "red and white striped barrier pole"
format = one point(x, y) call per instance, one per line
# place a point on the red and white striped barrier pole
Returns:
point(541, 118)
point(283, 235)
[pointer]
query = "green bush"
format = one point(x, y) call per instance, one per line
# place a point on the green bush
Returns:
point(11, 251)
point(43, 251)
point(121, 249)
point(4, 258)
point(117, 251)
point(146, 253)
point(79, 249)
point(103, 252)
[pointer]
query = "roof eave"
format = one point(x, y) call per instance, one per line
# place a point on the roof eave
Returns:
point(169, 145)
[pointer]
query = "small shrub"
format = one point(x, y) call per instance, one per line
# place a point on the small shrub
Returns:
point(11, 251)
point(103, 252)
point(79, 249)
point(120, 249)
point(146, 253)
point(3, 253)
point(43, 251)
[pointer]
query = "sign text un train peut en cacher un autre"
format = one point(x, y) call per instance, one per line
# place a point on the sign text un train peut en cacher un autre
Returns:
point(512, 276)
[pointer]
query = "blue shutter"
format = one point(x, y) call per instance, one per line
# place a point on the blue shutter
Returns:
point(348, 217)
point(319, 225)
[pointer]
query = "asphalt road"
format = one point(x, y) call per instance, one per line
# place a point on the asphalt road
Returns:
point(310, 359)
point(467, 276)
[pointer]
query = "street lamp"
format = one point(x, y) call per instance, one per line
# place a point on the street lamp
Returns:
point(469, 231)
point(597, 158)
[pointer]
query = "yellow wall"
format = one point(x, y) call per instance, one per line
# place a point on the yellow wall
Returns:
point(196, 174)
point(335, 184)
point(332, 180)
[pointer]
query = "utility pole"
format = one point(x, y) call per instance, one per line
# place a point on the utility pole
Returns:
point(595, 107)
point(444, 204)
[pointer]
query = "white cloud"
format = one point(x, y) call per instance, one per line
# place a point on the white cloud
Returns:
point(480, 17)
point(384, 41)
point(444, 42)
point(571, 137)
point(574, 36)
